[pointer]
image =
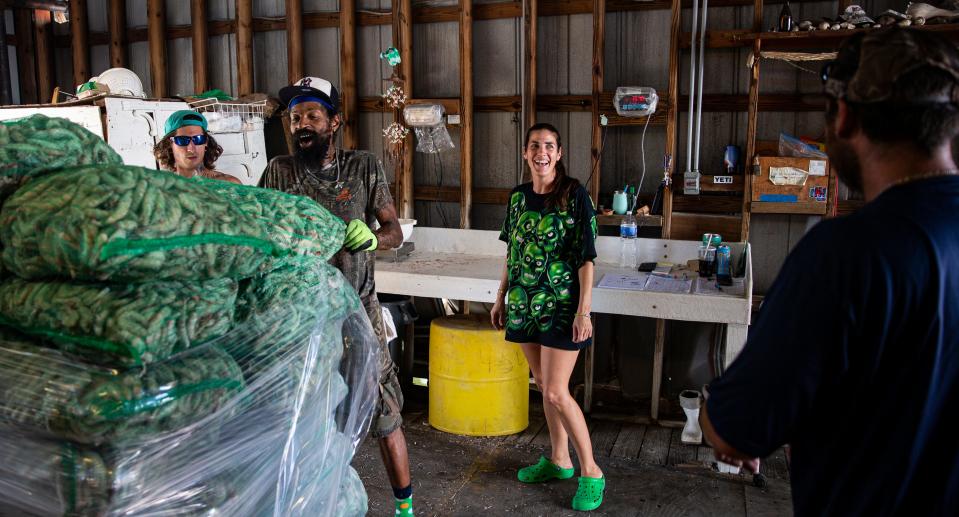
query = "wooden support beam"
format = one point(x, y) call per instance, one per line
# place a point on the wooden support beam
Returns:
point(599, 45)
point(26, 65)
point(294, 40)
point(244, 46)
point(348, 97)
point(79, 33)
point(403, 41)
point(43, 41)
point(482, 196)
point(529, 33)
point(466, 111)
point(200, 40)
point(156, 29)
point(752, 122)
point(117, 24)
point(672, 115)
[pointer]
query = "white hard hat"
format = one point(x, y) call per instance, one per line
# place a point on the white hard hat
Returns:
point(122, 81)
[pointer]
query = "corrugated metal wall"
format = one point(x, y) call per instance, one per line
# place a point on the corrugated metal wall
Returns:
point(637, 54)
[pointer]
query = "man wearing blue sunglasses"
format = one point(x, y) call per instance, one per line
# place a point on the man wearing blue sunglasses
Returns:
point(187, 149)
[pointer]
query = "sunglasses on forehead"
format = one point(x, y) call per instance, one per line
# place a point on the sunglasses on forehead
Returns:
point(184, 140)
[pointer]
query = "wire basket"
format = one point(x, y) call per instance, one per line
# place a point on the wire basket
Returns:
point(231, 117)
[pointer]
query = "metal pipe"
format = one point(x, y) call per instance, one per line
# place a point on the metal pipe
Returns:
point(692, 86)
point(699, 89)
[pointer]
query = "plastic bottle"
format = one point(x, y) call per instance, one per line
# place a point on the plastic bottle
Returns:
point(627, 237)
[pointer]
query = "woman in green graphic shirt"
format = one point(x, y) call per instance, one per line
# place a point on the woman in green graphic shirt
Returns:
point(544, 302)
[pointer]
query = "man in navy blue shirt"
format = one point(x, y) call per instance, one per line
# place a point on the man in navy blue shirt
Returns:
point(854, 359)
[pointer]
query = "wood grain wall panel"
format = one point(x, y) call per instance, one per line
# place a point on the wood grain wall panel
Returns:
point(436, 67)
point(496, 150)
point(440, 169)
point(552, 52)
point(372, 73)
point(269, 61)
point(322, 51)
point(496, 58)
point(139, 56)
point(180, 64)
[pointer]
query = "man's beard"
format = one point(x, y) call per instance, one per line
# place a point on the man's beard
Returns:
point(314, 155)
point(844, 159)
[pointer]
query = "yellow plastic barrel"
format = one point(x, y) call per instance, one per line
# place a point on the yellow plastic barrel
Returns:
point(479, 383)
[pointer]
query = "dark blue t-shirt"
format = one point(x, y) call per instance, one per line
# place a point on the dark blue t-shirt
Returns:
point(854, 361)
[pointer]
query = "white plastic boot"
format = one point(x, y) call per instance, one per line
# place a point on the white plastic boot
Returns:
point(690, 401)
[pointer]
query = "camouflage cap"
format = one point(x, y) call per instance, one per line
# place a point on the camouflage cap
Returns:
point(884, 57)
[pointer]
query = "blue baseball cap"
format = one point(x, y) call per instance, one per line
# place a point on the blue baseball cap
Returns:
point(184, 118)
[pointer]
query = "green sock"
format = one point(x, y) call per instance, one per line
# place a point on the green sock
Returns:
point(404, 507)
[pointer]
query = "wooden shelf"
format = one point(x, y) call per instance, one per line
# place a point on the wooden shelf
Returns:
point(708, 183)
point(808, 208)
point(828, 40)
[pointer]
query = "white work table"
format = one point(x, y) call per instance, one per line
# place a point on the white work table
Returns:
point(467, 265)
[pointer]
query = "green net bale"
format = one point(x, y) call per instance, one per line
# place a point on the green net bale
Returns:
point(282, 307)
point(128, 224)
point(44, 392)
point(296, 224)
point(39, 144)
point(119, 325)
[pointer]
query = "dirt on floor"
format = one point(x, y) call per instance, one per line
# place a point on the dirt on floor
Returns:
point(648, 472)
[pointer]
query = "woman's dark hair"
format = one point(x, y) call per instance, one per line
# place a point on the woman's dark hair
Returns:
point(163, 152)
point(564, 185)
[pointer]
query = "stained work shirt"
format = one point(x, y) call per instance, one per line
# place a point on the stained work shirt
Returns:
point(854, 361)
point(546, 248)
point(357, 191)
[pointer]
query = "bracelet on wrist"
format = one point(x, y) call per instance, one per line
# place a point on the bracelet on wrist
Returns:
point(583, 314)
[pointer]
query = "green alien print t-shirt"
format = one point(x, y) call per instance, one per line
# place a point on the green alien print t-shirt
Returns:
point(546, 248)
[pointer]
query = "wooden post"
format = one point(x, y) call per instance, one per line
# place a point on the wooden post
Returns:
point(117, 22)
point(201, 40)
point(244, 46)
point(672, 113)
point(403, 41)
point(599, 43)
point(658, 354)
point(529, 109)
point(79, 33)
point(294, 40)
point(348, 96)
point(752, 122)
point(43, 32)
point(156, 33)
point(23, 27)
point(466, 112)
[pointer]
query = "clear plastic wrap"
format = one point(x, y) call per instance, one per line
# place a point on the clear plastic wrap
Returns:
point(796, 148)
point(261, 420)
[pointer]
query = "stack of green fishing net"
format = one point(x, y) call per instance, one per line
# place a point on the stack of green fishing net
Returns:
point(170, 346)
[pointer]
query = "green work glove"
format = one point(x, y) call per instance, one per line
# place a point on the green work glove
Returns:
point(359, 237)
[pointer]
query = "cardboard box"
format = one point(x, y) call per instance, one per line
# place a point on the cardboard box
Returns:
point(790, 185)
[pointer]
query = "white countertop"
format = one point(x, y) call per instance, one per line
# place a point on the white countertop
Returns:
point(467, 264)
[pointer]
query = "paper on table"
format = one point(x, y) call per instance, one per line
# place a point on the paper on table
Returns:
point(668, 284)
point(709, 287)
point(628, 282)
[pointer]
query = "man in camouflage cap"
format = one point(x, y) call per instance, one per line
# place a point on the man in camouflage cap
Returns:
point(854, 359)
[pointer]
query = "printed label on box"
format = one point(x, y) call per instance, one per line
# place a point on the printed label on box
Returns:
point(817, 168)
point(817, 193)
point(787, 176)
